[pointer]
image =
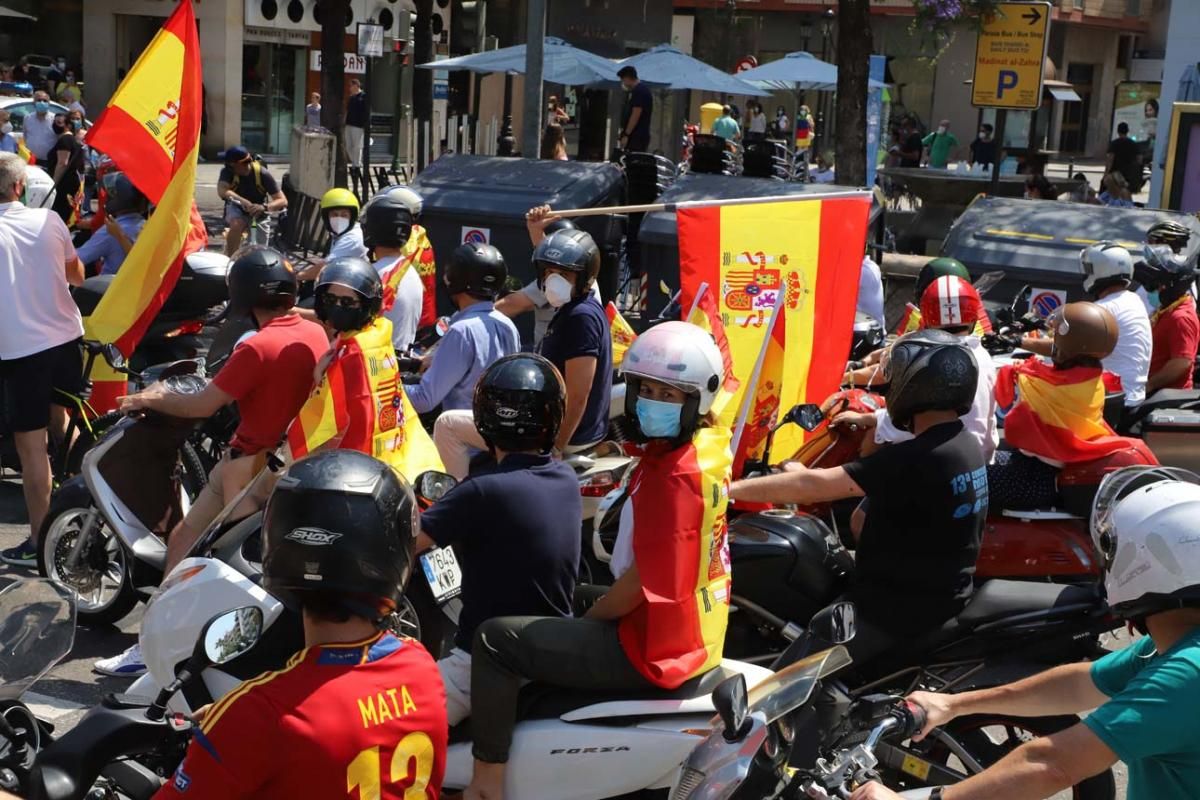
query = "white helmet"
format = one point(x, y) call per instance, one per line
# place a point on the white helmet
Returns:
point(405, 195)
point(1105, 263)
point(39, 189)
point(678, 354)
point(1144, 526)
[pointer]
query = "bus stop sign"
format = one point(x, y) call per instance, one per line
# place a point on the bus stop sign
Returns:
point(1010, 56)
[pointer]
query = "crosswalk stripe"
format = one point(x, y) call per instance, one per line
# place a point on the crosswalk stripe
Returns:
point(50, 708)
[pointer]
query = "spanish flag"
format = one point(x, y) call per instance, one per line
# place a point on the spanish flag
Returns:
point(360, 405)
point(25, 153)
point(704, 314)
point(1058, 414)
point(418, 254)
point(621, 332)
point(786, 276)
point(151, 129)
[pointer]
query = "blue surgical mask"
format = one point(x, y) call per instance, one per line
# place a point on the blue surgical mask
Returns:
point(41, 106)
point(658, 420)
point(1153, 298)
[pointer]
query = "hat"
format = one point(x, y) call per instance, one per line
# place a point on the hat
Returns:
point(236, 155)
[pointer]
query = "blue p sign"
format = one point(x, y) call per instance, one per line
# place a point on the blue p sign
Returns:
point(1006, 80)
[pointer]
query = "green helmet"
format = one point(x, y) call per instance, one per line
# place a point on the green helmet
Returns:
point(937, 268)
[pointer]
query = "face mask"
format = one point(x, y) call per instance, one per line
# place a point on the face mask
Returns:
point(1155, 302)
point(658, 420)
point(984, 136)
point(41, 106)
point(558, 290)
point(343, 319)
point(62, 65)
point(6, 128)
point(59, 130)
point(76, 124)
point(942, 128)
point(339, 225)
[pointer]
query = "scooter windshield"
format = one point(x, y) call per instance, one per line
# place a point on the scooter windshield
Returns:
point(37, 630)
point(790, 688)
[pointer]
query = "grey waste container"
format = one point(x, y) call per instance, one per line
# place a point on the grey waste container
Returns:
point(485, 197)
point(1036, 243)
point(658, 237)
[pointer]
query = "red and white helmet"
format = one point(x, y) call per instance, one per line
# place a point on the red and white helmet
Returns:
point(678, 354)
point(950, 302)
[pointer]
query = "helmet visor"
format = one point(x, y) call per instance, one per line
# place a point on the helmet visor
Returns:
point(1114, 488)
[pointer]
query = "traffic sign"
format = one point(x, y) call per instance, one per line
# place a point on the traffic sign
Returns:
point(1010, 56)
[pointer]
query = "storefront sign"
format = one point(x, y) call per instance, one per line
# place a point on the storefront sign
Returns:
point(1010, 56)
point(277, 36)
point(352, 63)
point(370, 40)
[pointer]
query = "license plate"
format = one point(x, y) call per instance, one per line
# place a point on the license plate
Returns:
point(442, 572)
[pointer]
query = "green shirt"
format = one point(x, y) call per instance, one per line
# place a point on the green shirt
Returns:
point(725, 127)
point(1152, 721)
point(940, 145)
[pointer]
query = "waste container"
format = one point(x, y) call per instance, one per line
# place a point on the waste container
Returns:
point(709, 112)
point(1036, 243)
point(658, 238)
point(481, 198)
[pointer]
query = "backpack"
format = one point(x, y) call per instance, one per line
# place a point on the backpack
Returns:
point(256, 169)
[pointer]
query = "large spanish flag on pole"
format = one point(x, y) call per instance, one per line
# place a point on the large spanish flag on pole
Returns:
point(151, 129)
point(800, 255)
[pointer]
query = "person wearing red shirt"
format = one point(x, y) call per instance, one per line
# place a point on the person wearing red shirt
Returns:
point(269, 375)
point(359, 712)
point(1174, 326)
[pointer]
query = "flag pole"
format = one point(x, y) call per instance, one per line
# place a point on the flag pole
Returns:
point(752, 384)
point(649, 208)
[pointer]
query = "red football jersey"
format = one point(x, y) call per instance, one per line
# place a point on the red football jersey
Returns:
point(363, 721)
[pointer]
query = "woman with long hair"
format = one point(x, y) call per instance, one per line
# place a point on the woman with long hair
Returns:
point(554, 143)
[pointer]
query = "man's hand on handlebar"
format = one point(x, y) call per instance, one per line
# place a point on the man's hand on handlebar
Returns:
point(939, 710)
point(874, 791)
point(853, 420)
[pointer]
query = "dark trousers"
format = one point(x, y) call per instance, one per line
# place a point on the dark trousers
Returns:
point(573, 653)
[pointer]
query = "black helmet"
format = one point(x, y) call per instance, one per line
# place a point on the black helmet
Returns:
point(342, 524)
point(1161, 270)
point(929, 370)
point(572, 250)
point(358, 275)
point(1169, 232)
point(560, 224)
point(388, 218)
point(519, 403)
point(938, 268)
point(261, 278)
point(476, 269)
point(121, 195)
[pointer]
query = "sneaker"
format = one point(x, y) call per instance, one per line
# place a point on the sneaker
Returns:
point(129, 664)
point(23, 555)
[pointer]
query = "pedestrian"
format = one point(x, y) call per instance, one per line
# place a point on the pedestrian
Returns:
point(1115, 191)
point(23, 73)
point(65, 164)
point(1085, 193)
point(1124, 156)
point(312, 111)
point(554, 143)
point(56, 74)
point(555, 111)
point(806, 129)
point(125, 211)
point(726, 126)
point(38, 128)
point(984, 148)
point(1038, 187)
point(941, 145)
point(635, 118)
point(68, 91)
point(757, 124)
point(40, 358)
point(783, 126)
point(358, 119)
point(911, 145)
point(8, 142)
point(824, 173)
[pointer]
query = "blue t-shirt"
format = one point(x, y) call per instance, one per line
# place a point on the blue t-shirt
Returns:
point(102, 246)
point(515, 530)
point(1150, 722)
point(580, 328)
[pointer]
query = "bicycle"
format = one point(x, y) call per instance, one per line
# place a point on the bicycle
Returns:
point(264, 228)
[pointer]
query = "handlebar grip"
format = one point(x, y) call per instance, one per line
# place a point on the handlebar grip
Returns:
point(408, 364)
point(916, 719)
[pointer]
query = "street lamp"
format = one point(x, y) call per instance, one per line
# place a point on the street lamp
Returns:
point(827, 19)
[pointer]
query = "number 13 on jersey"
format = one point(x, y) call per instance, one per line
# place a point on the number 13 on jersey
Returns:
point(412, 759)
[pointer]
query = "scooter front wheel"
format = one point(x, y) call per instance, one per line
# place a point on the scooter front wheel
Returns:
point(97, 570)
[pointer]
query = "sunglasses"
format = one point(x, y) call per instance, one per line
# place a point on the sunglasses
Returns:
point(335, 300)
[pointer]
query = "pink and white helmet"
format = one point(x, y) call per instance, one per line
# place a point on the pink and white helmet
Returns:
point(678, 354)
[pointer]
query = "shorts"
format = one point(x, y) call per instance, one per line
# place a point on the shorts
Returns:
point(230, 476)
point(31, 384)
point(234, 212)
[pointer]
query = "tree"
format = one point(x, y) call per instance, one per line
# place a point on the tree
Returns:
point(333, 75)
point(422, 78)
point(854, 48)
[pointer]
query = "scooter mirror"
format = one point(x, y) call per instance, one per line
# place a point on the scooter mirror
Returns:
point(114, 357)
point(806, 415)
point(834, 624)
point(433, 485)
point(729, 698)
point(229, 635)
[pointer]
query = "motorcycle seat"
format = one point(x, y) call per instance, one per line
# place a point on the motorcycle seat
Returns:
point(997, 599)
point(1164, 399)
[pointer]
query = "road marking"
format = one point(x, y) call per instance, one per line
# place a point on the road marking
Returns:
point(50, 708)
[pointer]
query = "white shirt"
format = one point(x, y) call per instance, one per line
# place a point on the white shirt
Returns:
point(39, 134)
point(1130, 361)
point(349, 244)
point(622, 554)
point(405, 313)
point(758, 123)
point(543, 312)
point(980, 421)
point(39, 313)
point(823, 175)
point(870, 290)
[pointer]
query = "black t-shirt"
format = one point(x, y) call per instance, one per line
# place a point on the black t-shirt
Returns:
point(515, 530)
point(67, 143)
point(927, 504)
point(912, 144)
point(578, 329)
point(246, 186)
point(1126, 154)
point(983, 152)
point(356, 110)
point(639, 97)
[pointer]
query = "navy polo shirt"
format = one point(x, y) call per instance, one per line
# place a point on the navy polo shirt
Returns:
point(580, 328)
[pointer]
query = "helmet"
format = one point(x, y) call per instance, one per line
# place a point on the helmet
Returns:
point(389, 216)
point(1160, 269)
point(121, 195)
point(358, 275)
point(1169, 232)
point(936, 269)
point(950, 302)
point(560, 224)
point(260, 277)
point(1143, 524)
point(476, 269)
point(343, 524)
point(678, 354)
point(1082, 329)
point(519, 403)
point(572, 250)
point(339, 199)
point(39, 189)
point(1105, 264)
point(929, 370)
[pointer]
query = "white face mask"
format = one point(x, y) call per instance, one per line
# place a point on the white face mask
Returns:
point(558, 290)
point(339, 225)
point(6, 128)
point(941, 128)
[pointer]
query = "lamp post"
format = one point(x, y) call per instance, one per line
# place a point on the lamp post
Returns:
point(827, 18)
